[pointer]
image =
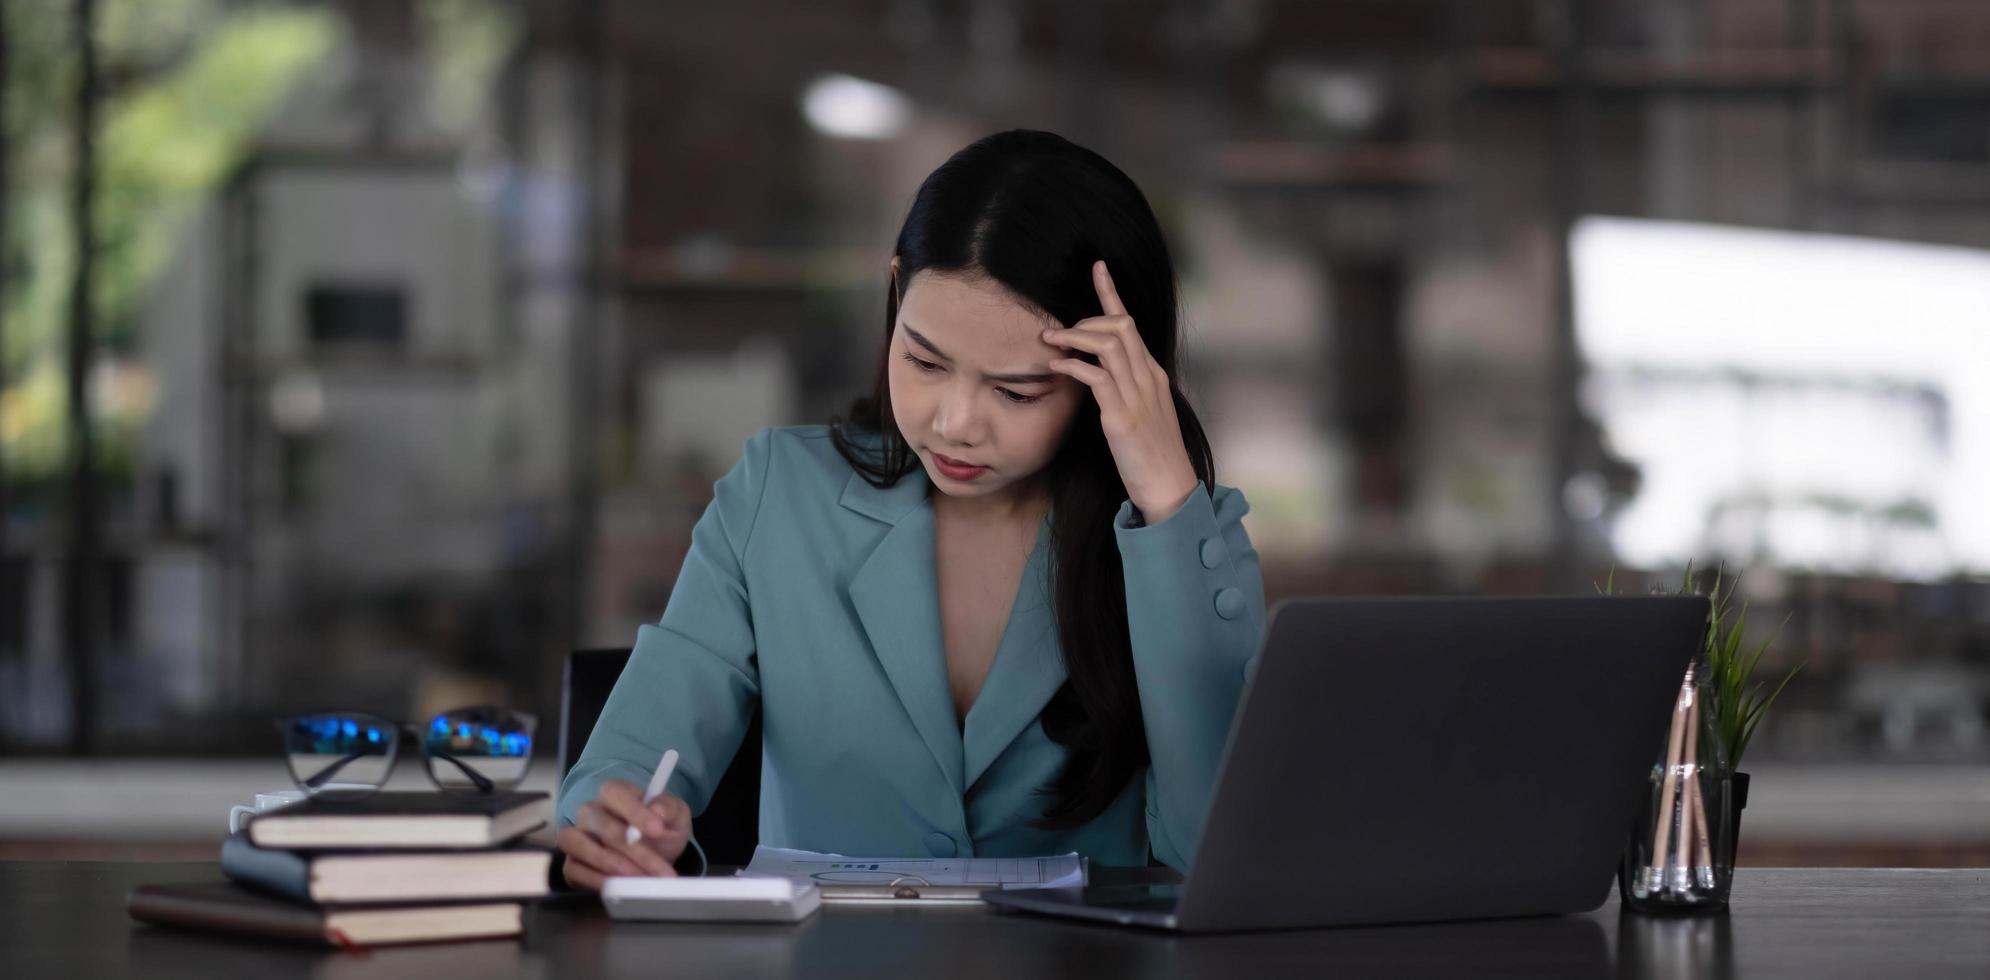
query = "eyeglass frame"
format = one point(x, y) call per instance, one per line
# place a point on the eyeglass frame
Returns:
point(482, 785)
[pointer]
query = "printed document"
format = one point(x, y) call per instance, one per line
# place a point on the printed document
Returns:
point(1059, 871)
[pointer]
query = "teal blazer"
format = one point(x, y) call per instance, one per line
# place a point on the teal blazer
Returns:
point(812, 591)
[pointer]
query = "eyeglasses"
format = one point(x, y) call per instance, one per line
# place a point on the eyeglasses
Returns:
point(347, 755)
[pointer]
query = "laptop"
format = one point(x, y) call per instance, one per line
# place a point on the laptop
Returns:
point(1424, 759)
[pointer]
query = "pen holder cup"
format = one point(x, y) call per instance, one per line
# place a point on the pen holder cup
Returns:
point(1680, 856)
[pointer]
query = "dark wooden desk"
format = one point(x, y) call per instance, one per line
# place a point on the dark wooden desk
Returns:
point(67, 919)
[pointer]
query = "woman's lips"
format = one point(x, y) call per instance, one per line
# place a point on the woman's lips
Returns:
point(957, 469)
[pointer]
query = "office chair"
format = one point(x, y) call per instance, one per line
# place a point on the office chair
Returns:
point(729, 828)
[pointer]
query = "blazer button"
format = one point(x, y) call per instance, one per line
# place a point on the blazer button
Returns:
point(939, 845)
point(1230, 603)
point(1212, 552)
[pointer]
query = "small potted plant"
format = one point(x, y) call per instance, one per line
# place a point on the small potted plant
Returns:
point(1681, 854)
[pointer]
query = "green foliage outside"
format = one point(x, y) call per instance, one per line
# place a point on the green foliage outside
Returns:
point(188, 86)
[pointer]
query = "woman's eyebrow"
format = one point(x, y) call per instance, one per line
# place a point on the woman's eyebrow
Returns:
point(1012, 379)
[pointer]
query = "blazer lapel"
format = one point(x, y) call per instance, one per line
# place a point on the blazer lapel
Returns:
point(1027, 669)
point(896, 596)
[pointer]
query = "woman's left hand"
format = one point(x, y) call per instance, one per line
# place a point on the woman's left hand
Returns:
point(1136, 403)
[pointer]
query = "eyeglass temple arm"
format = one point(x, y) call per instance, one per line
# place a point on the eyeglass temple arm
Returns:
point(483, 783)
point(318, 779)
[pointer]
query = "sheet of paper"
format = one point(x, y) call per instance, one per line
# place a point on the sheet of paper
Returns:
point(1058, 871)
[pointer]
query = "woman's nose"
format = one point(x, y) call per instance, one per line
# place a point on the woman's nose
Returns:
point(958, 421)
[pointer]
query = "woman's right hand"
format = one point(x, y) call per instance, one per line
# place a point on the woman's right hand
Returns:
point(597, 845)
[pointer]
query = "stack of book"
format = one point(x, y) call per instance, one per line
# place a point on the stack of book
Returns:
point(393, 868)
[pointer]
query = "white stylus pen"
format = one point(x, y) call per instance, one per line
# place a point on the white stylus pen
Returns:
point(664, 767)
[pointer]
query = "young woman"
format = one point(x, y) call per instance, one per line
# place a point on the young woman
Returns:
point(1002, 609)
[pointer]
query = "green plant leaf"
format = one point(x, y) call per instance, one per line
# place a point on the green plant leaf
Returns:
point(1763, 707)
point(1735, 697)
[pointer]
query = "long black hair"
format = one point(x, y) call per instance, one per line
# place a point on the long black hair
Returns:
point(1032, 211)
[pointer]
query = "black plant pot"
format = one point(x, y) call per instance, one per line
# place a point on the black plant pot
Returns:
point(1738, 789)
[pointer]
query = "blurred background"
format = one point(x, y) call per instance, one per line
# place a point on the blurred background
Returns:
point(411, 334)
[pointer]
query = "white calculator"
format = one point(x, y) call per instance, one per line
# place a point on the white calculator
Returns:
point(715, 899)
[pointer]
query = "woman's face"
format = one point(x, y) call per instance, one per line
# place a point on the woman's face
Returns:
point(970, 384)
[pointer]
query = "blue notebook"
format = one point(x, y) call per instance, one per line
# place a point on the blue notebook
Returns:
point(389, 877)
